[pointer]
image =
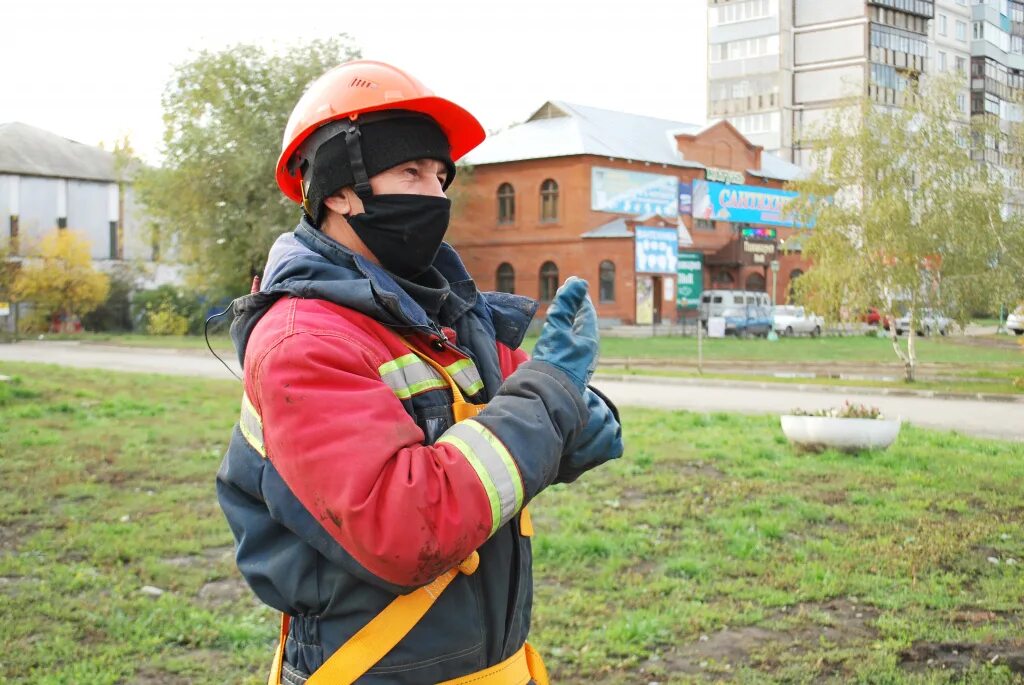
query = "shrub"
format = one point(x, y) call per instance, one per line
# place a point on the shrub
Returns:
point(164, 320)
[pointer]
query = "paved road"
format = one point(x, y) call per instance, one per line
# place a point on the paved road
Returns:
point(991, 419)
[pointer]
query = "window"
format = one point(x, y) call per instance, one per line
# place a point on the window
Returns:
point(506, 204)
point(607, 280)
point(961, 102)
point(961, 31)
point(755, 282)
point(548, 281)
point(548, 201)
point(723, 279)
point(942, 61)
point(704, 224)
point(505, 278)
point(961, 65)
point(943, 27)
point(793, 276)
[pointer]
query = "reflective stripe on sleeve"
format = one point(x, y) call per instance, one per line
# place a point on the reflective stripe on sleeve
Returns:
point(465, 374)
point(409, 375)
point(493, 465)
point(251, 425)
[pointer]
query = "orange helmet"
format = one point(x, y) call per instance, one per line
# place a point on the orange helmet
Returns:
point(363, 86)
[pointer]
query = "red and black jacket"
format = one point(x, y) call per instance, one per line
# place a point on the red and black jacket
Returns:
point(347, 480)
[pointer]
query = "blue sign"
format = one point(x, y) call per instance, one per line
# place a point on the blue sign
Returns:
point(685, 199)
point(633, 192)
point(742, 204)
point(656, 250)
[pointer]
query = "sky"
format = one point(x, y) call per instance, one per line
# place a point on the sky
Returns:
point(94, 71)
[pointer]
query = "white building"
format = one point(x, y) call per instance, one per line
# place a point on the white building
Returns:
point(47, 182)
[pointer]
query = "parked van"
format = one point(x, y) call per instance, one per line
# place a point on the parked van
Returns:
point(715, 302)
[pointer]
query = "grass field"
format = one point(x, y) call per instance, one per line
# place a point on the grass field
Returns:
point(709, 552)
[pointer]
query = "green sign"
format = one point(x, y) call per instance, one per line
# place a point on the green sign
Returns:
point(690, 279)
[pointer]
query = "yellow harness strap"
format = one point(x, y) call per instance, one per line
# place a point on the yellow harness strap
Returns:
point(386, 629)
point(461, 409)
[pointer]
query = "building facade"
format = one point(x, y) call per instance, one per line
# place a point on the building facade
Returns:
point(49, 182)
point(616, 199)
point(822, 52)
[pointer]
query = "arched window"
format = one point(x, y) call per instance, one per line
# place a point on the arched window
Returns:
point(607, 281)
point(506, 278)
point(548, 281)
point(755, 281)
point(793, 275)
point(548, 201)
point(723, 279)
point(506, 204)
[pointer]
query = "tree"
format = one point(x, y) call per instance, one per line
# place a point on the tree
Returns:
point(215, 200)
point(60, 279)
point(903, 218)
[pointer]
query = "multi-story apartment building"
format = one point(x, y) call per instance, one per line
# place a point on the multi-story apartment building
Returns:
point(781, 66)
point(750, 66)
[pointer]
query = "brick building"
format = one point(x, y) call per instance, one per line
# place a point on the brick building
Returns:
point(608, 196)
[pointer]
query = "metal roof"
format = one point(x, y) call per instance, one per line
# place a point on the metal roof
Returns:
point(561, 129)
point(30, 151)
point(613, 229)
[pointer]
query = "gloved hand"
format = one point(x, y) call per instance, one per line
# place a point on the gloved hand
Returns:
point(599, 441)
point(569, 338)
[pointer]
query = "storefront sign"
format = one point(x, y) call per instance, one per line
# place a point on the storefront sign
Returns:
point(690, 279)
point(742, 204)
point(758, 252)
point(723, 175)
point(685, 199)
point(656, 250)
point(644, 300)
point(633, 192)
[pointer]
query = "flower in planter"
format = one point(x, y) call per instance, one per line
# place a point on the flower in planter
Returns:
point(847, 411)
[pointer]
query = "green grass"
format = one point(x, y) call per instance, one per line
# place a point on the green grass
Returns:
point(219, 341)
point(952, 350)
point(1001, 384)
point(795, 568)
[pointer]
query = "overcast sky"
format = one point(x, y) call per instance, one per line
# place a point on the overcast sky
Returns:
point(94, 70)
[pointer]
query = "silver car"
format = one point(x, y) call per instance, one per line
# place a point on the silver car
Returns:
point(929, 322)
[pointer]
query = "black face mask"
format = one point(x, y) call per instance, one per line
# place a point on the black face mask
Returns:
point(404, 232)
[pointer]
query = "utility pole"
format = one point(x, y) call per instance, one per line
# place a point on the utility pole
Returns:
point(775, 280)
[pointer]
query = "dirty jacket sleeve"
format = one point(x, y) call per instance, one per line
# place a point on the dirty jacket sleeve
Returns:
point(353, 456)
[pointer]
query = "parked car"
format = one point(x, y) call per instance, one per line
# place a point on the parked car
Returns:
point(790, 320)
point(930, 321)
point(715, 302)
point(1015, 321)
point(872, 317)
point(747, 321)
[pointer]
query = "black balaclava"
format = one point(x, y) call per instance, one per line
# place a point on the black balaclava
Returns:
point(404, 232)
point(385, 140)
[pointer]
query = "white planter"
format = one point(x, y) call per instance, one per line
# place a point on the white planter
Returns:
point(816, 433)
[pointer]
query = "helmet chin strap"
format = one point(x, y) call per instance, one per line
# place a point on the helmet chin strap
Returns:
point(355, 158)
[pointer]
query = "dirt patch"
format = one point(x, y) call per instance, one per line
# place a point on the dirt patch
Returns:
point(700, 468)
point(833, 497)
point(958, 656)
point(837, 621)
point(220, 592)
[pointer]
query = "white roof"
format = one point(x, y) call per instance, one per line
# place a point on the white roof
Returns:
point(561, 129)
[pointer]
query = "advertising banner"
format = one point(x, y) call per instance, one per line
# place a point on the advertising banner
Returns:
point(656, 250)
point(742, 204)
point(685, 199)
point(690, 279)
point(633, 192)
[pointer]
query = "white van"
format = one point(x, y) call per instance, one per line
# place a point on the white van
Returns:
point(715, 302)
